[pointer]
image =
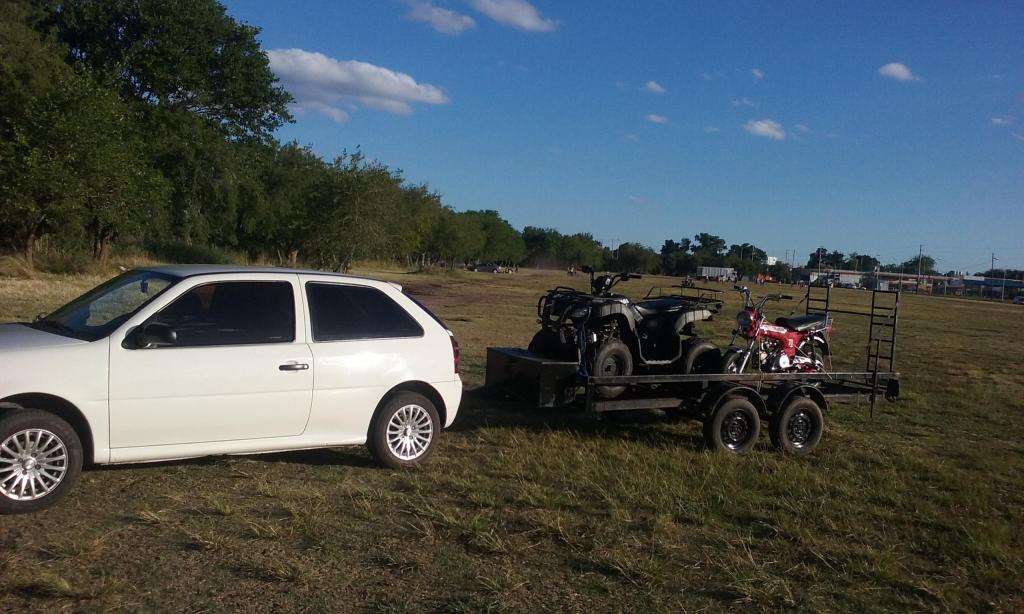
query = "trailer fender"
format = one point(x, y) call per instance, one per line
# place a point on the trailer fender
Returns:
point(781, 396)
point(719, 393)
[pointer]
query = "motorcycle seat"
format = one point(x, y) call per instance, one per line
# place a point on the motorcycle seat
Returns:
point(802, 323)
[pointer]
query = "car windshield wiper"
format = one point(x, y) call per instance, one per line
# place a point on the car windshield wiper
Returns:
point(58, 326)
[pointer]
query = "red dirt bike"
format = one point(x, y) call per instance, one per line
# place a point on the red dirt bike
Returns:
point(791, 345)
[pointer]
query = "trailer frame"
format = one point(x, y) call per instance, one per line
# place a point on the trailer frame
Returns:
point(701, 395)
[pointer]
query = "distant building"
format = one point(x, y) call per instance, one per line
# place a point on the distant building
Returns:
point(717, 272)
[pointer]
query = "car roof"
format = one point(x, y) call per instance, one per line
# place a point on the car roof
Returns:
point(193, 270)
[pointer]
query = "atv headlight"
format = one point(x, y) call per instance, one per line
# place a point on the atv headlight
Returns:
point(580, 313)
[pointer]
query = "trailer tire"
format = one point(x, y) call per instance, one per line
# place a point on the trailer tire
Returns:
point(612, 358)
point(733, 426)
point(797, 428)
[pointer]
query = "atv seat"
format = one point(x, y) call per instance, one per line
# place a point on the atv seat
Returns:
point(679, 313)
point(802, 323)
point(658, 306)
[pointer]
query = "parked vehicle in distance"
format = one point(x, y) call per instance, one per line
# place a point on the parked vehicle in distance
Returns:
point(1018, 300)
point(182, 361)
point(488, 267)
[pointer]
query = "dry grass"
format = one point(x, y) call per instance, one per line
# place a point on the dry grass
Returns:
point(920, 508)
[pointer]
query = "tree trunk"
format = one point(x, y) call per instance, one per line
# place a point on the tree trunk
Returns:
point(29, 248)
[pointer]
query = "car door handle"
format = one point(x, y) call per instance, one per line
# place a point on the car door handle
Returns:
point(293, 366)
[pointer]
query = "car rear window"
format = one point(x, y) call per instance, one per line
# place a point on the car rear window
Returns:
point(340, 312)
point(430, 313)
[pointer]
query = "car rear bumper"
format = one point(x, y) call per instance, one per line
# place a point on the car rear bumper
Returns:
point(451, 394)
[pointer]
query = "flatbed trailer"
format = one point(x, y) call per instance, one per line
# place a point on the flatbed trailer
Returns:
point(731, 405)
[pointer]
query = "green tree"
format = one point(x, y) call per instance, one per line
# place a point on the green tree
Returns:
point(72, 161)
point(184, 55)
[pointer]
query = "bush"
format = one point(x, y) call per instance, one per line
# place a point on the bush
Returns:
point(63, 261)
point(179, 252)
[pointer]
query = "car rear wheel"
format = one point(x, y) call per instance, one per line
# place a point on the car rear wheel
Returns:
point(405, 430)
point(40, 460)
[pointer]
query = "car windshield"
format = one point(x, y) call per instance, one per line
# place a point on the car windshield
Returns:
point(98, 312)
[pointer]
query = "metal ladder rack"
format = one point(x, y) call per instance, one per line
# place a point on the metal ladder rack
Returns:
point(883, 320)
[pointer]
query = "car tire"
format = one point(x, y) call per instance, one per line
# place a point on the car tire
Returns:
point(612, 358)
point(404, 431)
point(40, 460)
point(797, 428)
point(733, 426)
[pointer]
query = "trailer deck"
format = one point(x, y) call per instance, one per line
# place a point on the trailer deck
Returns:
point(727, 402)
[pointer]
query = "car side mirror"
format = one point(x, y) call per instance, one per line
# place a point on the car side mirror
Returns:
point(151, 335)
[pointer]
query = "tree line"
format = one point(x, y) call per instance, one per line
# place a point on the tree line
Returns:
point(150, 124)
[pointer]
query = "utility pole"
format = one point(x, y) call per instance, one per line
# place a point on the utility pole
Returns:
point(992, 269)
point(920, 252)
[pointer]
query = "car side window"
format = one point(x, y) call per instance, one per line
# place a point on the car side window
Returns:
point(340, 312)
point(232, 313)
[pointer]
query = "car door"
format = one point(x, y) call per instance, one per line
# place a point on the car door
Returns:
point(239, 368)
point(363, 344)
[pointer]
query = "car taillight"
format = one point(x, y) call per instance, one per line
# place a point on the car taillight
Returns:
point(455, 353)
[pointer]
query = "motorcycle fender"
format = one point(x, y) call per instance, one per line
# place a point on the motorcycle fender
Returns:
point(820, 338)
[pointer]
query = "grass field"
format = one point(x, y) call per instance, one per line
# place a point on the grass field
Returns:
point(919, 508)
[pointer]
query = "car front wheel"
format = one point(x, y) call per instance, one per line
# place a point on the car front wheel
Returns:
point(40, 460)
point(404, 431)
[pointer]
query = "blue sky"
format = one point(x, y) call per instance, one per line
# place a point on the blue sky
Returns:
point(862, 127)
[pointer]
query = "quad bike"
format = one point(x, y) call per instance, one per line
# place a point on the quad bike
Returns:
point(790, 345)
point(608, 334)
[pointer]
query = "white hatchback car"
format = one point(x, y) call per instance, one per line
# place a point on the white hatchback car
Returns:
point(181, 361)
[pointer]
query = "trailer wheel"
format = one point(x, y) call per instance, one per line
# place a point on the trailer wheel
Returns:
point(612, 359)
point(797, 428)
point(732, 427)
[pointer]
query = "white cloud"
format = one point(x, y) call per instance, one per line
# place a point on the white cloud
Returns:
point(711, 129)
point(743, 102)
point(758, 73)
point(322, 84)
point(897, 71)
point(656, 119)
point(445, 21)
point(654, 87)
point(1018, 135)
point(632, 138)
point(636, 200)
point(516, 13)
point(1003, 120)
point(802, 127)
point(767, 128)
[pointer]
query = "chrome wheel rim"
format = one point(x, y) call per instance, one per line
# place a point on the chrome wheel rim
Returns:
point(410, 431)
point(33, 463)
point(800, 429)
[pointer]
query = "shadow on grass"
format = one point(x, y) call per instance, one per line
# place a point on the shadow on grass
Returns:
point(486, 409)
point(341, 456)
